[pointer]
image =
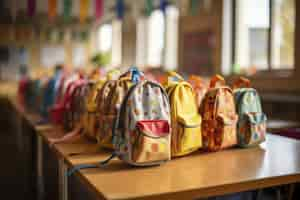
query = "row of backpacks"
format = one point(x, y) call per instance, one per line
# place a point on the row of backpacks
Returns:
point(147, 122)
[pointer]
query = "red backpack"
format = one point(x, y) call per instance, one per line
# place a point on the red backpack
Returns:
point(59, 108)
point(76, 106)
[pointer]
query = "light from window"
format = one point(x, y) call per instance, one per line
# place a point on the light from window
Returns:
point(141, 38)
point(52, 55)
point(283, 27)
point(252, 27)
point(105, 38)
point(79, 56)
point(116, 51)
point(172, 15)
point(156, 36)
point(264, 38)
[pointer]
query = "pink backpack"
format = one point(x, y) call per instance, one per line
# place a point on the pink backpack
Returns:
point(59, 108)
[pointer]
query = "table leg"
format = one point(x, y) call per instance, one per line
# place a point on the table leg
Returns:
point(291, 191)
point(63, 180)
point(259, 194)
point(40, 177)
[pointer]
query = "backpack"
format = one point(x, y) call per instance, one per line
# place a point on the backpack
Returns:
point(199, 88)
point(219, 116)
point(32, 95)
point(185, 118)
point(142, 134)
point(90, 115)
point(60, 108)
point(75, 107)
point(109, 101)
point(48, 98)
point(89, 118)
point(22, 88)
point(251, 127)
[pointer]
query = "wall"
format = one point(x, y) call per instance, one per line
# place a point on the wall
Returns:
point(35, 45)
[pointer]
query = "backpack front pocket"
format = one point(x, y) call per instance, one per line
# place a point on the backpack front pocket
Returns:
point(151, 141)
point(189, 137)
point(225, 134)
point(252, 129)
point(105, 130)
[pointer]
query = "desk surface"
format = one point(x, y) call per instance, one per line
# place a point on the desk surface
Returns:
point(275, 162)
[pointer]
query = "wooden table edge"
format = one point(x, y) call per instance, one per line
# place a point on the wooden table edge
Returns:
point(188, 194)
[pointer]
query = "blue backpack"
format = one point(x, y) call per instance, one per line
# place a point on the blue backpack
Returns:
point(48, 96)
point(251, 126)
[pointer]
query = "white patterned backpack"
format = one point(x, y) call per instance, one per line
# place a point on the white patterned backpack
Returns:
point(142, 132)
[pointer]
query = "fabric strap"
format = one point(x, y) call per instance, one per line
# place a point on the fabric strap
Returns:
point(89, 166)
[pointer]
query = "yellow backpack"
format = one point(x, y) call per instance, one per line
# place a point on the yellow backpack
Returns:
point(185, 120)
point(91, 116)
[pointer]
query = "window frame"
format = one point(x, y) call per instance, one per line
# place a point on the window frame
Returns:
point(269, 72)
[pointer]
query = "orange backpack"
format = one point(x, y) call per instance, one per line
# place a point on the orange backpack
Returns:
point(219, 116)
point(199, 88)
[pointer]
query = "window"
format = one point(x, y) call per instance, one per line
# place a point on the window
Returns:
point(157, 39)
point(116, 51)
point(283, 24)
point(79, 56)
point(105, 44)
point(172, 16)
point(263, 35)
point(105, 38)
point(141, 37)
point(52, 55)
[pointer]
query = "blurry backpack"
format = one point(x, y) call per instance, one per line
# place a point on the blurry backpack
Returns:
point(185, 118)
point(199, 88)
point(109, 101)
point(48, 97)
point(76, 106)
point(251, 127)
point(219, 116)
point(89, 119)
point(32, 95)
point(59, 109)
point(22, 88)
point(90, 115)
point(142, 132)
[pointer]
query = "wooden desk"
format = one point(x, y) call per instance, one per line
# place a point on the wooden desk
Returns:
point(277, 162)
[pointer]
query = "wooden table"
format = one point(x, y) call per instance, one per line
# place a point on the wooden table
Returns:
point(276, 162)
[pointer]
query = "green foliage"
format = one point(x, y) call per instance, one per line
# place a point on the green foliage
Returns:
point(101, 59)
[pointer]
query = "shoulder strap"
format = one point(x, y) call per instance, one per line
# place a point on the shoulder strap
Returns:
point(216, 79)
point(89, 166)
point(241, 82)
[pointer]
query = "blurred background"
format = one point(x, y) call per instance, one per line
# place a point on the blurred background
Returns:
point(256, 38)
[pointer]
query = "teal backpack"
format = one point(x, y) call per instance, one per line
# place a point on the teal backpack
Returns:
point(251, 126)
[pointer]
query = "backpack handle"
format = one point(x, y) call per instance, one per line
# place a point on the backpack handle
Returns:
point(176, 75)
point(112, 74)
point(242, 82)
point(134, 74)
point(196, 81)
point(216, 79)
